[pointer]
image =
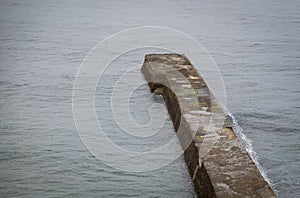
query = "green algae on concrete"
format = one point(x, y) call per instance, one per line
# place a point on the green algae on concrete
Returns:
point(216, 160)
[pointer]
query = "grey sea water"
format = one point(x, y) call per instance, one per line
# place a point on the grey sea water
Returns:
point(256, 45)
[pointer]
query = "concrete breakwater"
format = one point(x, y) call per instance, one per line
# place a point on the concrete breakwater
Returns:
point(216, 160)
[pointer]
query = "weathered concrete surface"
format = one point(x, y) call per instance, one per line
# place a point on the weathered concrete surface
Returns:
point(217, 162)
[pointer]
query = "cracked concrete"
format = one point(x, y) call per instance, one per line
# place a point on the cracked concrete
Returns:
point(217, 162)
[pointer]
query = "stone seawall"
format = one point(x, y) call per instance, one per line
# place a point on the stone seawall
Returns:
point(216, 160)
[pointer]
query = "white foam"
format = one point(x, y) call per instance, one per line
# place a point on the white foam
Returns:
point(247, 144)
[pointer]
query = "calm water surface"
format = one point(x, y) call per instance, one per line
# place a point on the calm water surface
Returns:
point(256, 45)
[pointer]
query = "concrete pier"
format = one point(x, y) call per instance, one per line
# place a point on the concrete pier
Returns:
point(216, 160)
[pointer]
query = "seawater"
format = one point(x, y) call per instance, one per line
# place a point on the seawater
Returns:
point(256, 45)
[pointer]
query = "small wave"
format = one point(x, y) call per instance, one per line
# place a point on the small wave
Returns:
point(247, 144)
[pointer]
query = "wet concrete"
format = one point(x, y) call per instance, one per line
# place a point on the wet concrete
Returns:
point(216, 160)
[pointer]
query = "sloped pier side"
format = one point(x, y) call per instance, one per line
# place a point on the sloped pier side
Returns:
point(216, 160)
